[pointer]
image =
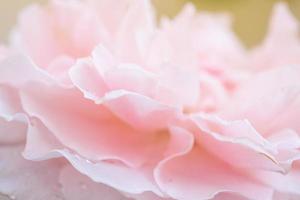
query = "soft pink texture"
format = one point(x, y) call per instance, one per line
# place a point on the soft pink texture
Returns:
point(154, 112)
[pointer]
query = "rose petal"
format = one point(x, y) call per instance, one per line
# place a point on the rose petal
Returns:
point(67, 114)
point(269, 100)
point(27, 180)
point(239, 137)
point(12, 131)
point(76, 186)
point(42, 145)
point(56, 29)
point(206, 177)
point(134, 108)
point(229, 196)
point(92, 87)
point(27, 71)
point(12, 122)
point(136, 27)
point(282, 45)
point(282, 183)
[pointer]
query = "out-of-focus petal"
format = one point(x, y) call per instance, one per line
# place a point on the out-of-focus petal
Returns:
point(28, 180)
point(269, 100)
point(18, 69)
point(281, 46)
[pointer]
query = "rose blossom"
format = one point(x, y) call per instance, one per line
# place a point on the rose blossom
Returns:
point(147, 111)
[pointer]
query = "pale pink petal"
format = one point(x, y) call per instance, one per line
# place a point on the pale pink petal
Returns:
point(128, 103)
point(282, 45)
point(42, 145)
point(12, 121)
point(27, 180)
point(126, 76)
point(287, 184)
point(54, 179)
point(161, 86)
point(136, 28)
point(219, 161)
point(12, 131)
point(9, 102)
point(22, 179)
point(269, 100)
point(113, 174)
point(287, 143)
point(200, 175)
point(102, 132)
point(93, 87)
point(76, 186)
point(34, 32)
point(282, 149)
point(112, 20)
point(59, 68)
point(285, 196)
point(175, 89)
point(146, 196)
point(18, 69)
point(229, 196)
point(139, 111)
point(73, 29)
point(3, 52)
point(61, 28)
point(49, 109)
point(199, 39)
point(67, 114)
point(238, 136)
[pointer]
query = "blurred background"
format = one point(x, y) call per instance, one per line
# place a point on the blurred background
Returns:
point(250, 16)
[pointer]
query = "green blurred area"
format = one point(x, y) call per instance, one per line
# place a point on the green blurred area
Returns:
point(250, 16)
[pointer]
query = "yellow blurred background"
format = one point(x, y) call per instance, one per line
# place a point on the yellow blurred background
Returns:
point(250, 16)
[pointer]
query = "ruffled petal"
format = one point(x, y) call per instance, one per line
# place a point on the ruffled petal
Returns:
point(41, 144)
point(68, 115)
point(52, 179)
point(124, 92)
point(238, 136)
point(200, 175)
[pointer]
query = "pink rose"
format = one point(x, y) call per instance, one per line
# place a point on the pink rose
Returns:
point(145, 111)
